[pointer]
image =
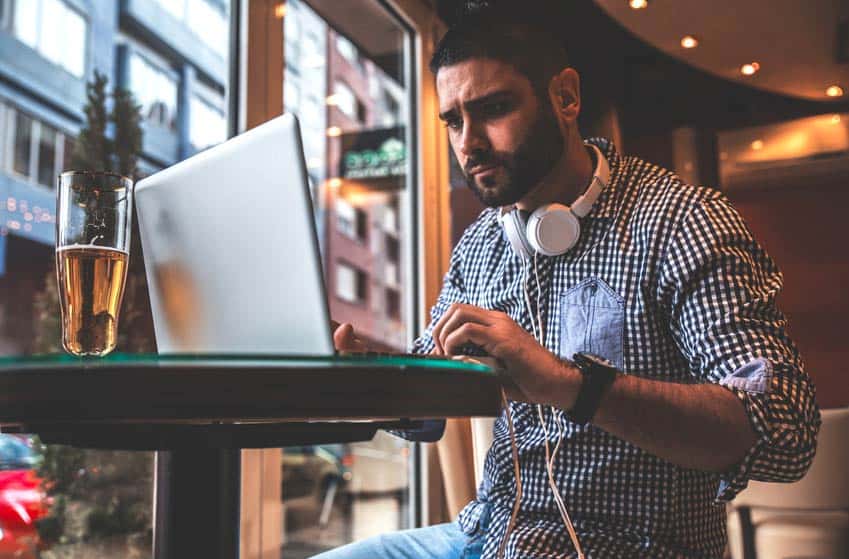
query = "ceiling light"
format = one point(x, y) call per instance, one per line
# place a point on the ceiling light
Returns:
point(689, 42)
point(750, 68)
point(280, 10)
point(834, 91)
point(638, 4)
point(334, 131)
point(757, 145)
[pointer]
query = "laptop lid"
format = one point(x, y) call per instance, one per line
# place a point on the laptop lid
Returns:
point(230, 249)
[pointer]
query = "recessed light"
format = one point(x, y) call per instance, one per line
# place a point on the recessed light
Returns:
point(834, 91)
point(757, 145)
point(750, 68)
point(689, 42)
point(638, 4)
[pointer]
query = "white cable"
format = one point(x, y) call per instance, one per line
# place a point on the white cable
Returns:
point(516, 472)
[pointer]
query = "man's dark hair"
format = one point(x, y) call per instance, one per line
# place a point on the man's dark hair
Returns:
point(531, 49)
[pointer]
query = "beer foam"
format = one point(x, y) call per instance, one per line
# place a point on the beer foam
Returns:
point(90, 247)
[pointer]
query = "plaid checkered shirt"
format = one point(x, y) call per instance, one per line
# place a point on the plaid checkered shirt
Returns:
point(668, 283)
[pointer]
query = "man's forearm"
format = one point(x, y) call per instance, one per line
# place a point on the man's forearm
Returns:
point(699, 426)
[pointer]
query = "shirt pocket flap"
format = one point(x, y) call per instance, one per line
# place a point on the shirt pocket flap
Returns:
point(592, 319)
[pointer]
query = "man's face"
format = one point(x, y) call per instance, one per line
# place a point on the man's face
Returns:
point(505, 139)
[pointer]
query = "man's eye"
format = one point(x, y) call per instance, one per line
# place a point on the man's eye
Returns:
point(453, 123)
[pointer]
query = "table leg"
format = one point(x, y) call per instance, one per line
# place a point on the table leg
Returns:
point(197, 504)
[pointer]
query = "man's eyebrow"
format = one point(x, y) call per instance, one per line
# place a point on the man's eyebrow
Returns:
point(473, 104)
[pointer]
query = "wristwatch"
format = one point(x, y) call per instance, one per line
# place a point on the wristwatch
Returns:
point(598, 374)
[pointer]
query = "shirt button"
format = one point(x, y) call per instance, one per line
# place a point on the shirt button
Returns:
point(591, 289)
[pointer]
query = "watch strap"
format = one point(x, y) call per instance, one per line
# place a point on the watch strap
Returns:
point(597, 378)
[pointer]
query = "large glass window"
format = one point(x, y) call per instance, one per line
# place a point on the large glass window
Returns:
point(353, 105)
point(155, 89)
point(99, 503)
point(54, 29)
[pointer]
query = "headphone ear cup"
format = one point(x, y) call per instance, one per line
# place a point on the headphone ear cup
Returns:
point(552, 229)
point(514, 227)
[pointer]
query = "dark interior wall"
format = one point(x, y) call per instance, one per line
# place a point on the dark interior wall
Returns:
point(805, 231)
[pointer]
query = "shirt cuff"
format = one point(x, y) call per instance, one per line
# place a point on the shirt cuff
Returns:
point(752, 379)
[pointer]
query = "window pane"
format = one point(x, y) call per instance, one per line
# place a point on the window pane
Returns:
point(155, 90)
point(26, 21)
point(209, 23)
point(100, 502)
point(176, 8)
point(23, 144)
point(74, 37)
point(353, 107)
point(47, 156)
point(208, 125)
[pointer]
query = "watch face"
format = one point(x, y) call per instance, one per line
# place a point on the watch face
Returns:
point(593, 358)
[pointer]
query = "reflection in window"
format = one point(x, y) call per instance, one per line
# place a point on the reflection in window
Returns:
point(155, 91)
point(208, 125)
point(52, 28)
point(347, 49)
point(351, 221)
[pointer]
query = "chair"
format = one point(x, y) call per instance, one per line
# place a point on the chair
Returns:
point(808, 519)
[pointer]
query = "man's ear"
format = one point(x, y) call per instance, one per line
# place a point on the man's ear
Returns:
point(564, 91)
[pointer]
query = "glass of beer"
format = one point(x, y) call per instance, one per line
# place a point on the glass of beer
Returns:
point(93, 224)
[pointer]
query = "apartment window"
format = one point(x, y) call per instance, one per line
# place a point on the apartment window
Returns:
point(23, 144)
point(47, 143)
point(348, 51)
point(206, 19)
point(52, 28)
point(38, 150)
point(351, 283)
point(208, 125)
point(345, 99)
point(393, 304)
point(351, 221)
point(155, 89)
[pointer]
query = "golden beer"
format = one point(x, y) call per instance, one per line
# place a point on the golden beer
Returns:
point(91, 286)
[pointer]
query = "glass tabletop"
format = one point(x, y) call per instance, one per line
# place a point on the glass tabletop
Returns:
point(62, 360)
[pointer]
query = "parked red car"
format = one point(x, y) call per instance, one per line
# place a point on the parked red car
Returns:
point(22, 499)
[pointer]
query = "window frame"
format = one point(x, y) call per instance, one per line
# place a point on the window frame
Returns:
point(260, 98)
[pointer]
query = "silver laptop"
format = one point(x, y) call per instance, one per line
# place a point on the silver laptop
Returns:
point(231, 251)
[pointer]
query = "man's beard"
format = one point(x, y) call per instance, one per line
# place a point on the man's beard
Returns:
point(522, 169)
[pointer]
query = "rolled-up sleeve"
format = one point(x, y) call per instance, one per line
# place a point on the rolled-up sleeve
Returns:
point(719, 287)
point(452, 292)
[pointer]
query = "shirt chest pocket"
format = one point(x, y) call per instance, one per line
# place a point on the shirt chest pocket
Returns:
point(592, 319)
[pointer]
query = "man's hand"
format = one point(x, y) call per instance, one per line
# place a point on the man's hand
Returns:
point(539, 375)
point(345, 339)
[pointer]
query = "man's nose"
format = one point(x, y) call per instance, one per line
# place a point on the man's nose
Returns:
point(473, 139)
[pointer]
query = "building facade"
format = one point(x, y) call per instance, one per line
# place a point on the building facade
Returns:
point(171, 54)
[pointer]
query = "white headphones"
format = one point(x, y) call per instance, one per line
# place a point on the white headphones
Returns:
point(553, 229)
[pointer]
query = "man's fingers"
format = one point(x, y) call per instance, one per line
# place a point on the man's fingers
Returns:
point(345, 340)
point(459, 315)
point(469, 332)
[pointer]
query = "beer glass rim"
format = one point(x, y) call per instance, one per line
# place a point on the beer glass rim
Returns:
point(124, 180)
